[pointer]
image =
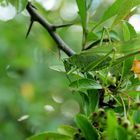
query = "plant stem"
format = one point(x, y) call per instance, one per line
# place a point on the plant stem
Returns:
point(38, 18)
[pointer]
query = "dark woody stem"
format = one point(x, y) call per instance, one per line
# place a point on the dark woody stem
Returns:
point(38, 18)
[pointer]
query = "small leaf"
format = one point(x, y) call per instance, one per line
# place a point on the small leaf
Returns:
point(111, 125)
point(87, 129)
point(85, 103)
point(128, 31)
point(50, 136)
point(67, 130)
point(84, 84)
point(82, 12)
point(93, 99)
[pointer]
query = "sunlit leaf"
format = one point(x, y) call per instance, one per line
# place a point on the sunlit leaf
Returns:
point(84, 84)
point(87, 129)
point(67, 130)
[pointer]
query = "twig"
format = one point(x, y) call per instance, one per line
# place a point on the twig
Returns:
point(38, 18)
point(96, 43)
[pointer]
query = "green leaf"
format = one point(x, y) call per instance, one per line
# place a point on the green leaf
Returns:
point(121, 133)
point(84, 84)
point(111, 11)
point(93, 96)
point(92, 37)
point(87, 129)
point(58, 68)
point(67, 130)
point(19, 4)
point(50, 136)
point(123, 12)
point(127, 66)
point(85, 103)
point(82, 12)
point(111, 125)
point(128, 31)
point(136, 116)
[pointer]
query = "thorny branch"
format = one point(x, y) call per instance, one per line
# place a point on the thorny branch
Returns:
point(50, 28)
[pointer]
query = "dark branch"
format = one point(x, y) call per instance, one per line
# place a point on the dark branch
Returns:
point(30, 27)
point(61, 26)
point(96, 43)
point(38, 18)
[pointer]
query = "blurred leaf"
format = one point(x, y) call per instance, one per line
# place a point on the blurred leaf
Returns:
point(136, 116)
point(111, 11)
point(94, 4)
point(84, 84)
point(82, 12)
point(50, 136)
point(19, 4)
point(121, 133)
point(92, 37)
point(67, 130)
point(128, 31)
point(133, 93)
point(111, 125)
point(123, 12)
point(87, 129)
point(58, 68)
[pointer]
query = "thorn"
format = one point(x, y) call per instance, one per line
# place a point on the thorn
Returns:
point(30, 27)
point(34, 7)
point(63, 25)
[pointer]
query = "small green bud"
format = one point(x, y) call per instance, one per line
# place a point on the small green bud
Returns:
point(126, 123)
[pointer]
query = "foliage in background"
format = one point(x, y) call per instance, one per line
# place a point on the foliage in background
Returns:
point(101, 73)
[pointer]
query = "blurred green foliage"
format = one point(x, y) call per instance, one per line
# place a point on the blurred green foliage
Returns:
point(34, 98)
point(27, 84)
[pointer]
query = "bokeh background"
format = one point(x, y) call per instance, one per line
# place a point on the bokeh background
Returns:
point(33, 97)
